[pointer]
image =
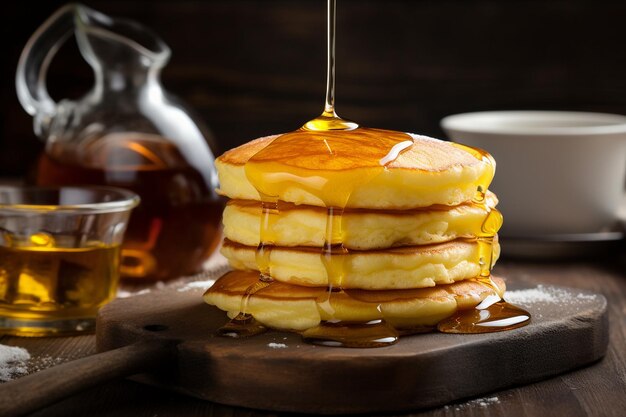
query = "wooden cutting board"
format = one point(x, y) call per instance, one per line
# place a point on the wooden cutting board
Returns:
point(277, 371)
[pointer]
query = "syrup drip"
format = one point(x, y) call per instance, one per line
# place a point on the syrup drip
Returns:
point(333, 259)
point(269, 215)
point(333, 332)
point(244, 324)
point(493, 314)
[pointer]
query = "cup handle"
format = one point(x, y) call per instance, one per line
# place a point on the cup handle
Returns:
point(30, 79)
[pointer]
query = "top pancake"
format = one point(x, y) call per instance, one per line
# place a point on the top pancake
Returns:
point(364, 168)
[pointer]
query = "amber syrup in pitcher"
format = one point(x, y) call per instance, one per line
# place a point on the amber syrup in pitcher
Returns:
point(177, 224)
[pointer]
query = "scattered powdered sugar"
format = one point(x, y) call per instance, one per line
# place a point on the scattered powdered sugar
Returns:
point(546, 294)
point(479, 402)
point(581, 296)
point(484, 402)
point(531, 295)
point(17, 362)
point(213, 268)
point(125, 294)
point(277, 345)
point(196, 285)
point(39, 363)
point(12, 362)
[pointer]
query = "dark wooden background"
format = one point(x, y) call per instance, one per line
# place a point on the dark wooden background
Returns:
point(252, 68)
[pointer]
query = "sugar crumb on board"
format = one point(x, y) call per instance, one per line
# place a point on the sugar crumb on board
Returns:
point(180, 287)
point(546, 294)
point(476, 403)
point(125, 293)
point(193, 285)
point(13, 362)
point(39, 363)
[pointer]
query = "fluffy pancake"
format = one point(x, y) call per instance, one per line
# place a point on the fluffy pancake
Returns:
point(290, 307)
point(426, 172)
point(394, 268)
point(362, 229)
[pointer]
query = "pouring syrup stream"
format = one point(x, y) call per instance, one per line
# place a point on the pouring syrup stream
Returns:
point(329, 120)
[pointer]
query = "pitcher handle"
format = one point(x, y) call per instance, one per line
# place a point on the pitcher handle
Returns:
point(30, 79)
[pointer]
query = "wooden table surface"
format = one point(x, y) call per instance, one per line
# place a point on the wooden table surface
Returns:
point(597, 390)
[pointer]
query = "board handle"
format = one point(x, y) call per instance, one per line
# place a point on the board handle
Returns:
point(35, 391)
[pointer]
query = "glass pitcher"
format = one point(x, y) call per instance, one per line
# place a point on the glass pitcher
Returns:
point(126, 132)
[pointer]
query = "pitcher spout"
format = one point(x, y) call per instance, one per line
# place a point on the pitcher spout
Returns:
point(115, 42)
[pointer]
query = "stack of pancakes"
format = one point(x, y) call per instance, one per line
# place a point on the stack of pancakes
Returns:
point(413, 236)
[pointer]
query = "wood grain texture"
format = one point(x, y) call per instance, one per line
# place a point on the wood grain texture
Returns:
point(597, 390)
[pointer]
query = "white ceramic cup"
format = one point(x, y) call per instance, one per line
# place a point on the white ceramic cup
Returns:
point(557, 172)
